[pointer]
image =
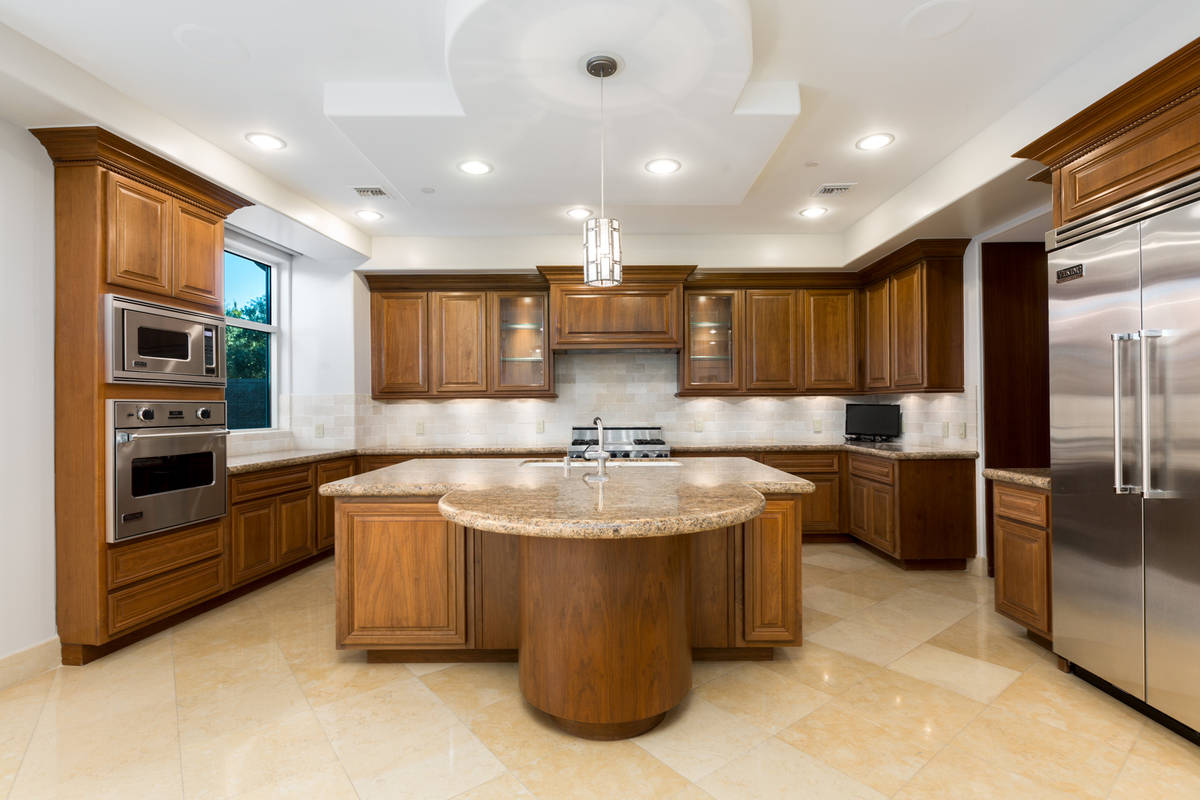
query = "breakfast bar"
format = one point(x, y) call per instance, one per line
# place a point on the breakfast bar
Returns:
point(604, 583)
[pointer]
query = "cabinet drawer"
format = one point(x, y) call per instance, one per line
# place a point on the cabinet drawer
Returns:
point(1023, 505)
point(145, 602)
point(142, 559)
point(876, 469)
point(372, 463)
point(269, 482)
point(800, 463)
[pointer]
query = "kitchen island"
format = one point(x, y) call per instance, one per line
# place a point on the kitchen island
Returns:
point(605, 588)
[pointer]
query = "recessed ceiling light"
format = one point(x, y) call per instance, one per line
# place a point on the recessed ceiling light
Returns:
point(368, 215)
point(662, 166)
point(579, 212)
point(266, 141)
point(475, 167)
point(876, 141)
point(812, 212)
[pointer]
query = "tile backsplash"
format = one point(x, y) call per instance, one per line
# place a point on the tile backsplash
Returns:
point(624, 388)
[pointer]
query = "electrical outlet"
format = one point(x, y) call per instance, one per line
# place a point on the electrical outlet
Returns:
point(962, 430)
point(699, 426)
point(319, 430)
point(541, 426)
point(420, 429)
point(818, 426)
point(945, 430)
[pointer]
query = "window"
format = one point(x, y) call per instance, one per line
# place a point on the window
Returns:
point(250, 331)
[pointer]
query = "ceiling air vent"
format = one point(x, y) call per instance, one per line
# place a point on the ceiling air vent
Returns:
point(829, 189)
point(370, 191)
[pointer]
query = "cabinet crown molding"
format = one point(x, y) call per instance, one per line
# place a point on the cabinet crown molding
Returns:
point(911, 253)
point(1165, 85)
point(465, 281)
point(632, 274)
point(94, 146)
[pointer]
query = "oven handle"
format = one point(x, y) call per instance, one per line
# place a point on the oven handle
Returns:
point(125, 438)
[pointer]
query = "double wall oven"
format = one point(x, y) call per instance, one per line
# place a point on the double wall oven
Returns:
point(166, 464)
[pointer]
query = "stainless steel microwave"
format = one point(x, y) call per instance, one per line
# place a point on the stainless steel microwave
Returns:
point(151, 343)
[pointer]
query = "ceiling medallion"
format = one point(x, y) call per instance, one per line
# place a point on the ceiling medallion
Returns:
point(601, 235)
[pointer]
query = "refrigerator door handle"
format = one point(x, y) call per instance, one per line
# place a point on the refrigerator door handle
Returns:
point(1145, 336)
point(1119, 485)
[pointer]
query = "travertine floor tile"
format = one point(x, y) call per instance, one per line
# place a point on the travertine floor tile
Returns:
point(868, 584)
point(1049, 756)
point(20, 707)
point(857, 747)
point(705, 671)
point(970, 677)
point(762, 697)
point(329, 783)
point(1159, 744)
point(467, 688)
point(1146, 779)
point(775, 769)
point(835, 602)
point(874, 643)
point(506, 787)
point(822, 668)
point(908, 708)
point(815, 621)
point(954, 774)
point(435, 767)
point(839, 561)
point(697, 738)
point(915, 614)
point(986, 635)
point(814, 575)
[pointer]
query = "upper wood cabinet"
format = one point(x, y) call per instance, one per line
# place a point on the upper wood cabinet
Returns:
point(480, 343)
point(643, 312)
point(1138, 137)
point(877, 335)
point(459, 342)
point(399, 343)
point(830, 339)
point(772, 359)
point(138, 231)
point(198, 263)
point(711, 358)
point(908, 326)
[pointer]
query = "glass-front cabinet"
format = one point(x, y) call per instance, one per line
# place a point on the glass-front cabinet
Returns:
point(521, 359)
point(710, 358)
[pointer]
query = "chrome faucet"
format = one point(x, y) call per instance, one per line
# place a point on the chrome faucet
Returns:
point(599, 455)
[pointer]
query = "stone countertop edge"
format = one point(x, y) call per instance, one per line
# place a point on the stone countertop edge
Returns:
point(255, 462)
point(1035, 477)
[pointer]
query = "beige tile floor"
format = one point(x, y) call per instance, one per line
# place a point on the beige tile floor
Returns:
point(908, 686)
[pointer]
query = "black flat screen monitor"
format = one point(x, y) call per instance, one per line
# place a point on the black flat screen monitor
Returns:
point(872, 420)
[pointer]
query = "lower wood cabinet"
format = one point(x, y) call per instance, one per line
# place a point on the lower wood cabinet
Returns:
point(297, 518)
point(771, 576)
point(402, 576)
point(871, 514)
point(145, 602)
point(327, 472)
point(254, 543)
point(1022, 539)
point(821, 511)
point(276, 528)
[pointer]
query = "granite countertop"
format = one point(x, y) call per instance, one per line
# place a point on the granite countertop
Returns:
point(287, 458)
point(503, 495)
point(1036, 477)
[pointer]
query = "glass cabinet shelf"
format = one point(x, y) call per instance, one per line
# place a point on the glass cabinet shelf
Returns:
point(710, 358)
point(724, 325)
point(522, 326)
point(522, 358)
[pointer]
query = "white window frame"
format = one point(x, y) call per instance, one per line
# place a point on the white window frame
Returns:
point(280, 264)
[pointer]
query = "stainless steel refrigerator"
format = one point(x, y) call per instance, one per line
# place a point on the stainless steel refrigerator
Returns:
point(1125, 445)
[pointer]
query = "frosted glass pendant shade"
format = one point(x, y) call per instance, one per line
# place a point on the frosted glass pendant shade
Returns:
point(602, 252)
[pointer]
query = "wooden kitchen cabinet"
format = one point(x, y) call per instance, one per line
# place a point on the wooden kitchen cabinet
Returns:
point(198, 259)
point(772, 352)
point(297, 521)
point(907, 289)
point(459, 342)
point(328, 472)
point(877, 336)
point(711, 358)
point(645, 311)
point(254, 543)
point(401, 576)
point(497, 604)
point(1022, 542)
point(713, 587)
point(830, 340)
point(138, 235)
point(399, 343)
point(771, 582)
point(821, 511)
point(521, 360)
point(272, 520)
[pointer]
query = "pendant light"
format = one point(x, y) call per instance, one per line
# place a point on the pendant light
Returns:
point(601, 235)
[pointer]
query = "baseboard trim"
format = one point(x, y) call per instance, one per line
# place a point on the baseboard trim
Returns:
point(30, 662)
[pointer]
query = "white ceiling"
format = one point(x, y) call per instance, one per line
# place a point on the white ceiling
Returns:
point(746, 93)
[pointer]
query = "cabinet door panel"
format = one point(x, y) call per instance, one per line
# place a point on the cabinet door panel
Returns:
point(860, 508)
point(327, 473)
point(497, 583)
point(521, 359)
point(459, 342)
point(877, 332)
point(712, 336)
point(882, 530)
point(139, 235)
point(1023, 574)
point(296, 518)
point(830, 340)
point(772, 355)
point(821, 510)
point(399, 345)
point(712, 587)
point(198, 266)
point(908, 326)
point(401, 576)
point(771, 585)
point(254, 545)
point(642, 315)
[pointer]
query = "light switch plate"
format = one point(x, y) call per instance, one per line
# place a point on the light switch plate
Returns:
point(945, 430)
point(541, 426)
point(962, 430)
point(817, 425)
point(699, 426)
point(420, 429)
point(319, 430)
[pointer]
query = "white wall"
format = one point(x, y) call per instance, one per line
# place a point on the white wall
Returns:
point(27, 404)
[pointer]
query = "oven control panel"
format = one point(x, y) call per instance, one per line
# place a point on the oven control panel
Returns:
point(167, 414)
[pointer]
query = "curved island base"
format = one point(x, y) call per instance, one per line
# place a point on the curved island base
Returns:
point(605, 645)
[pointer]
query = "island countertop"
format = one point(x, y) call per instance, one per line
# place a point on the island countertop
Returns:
point(511, 495)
